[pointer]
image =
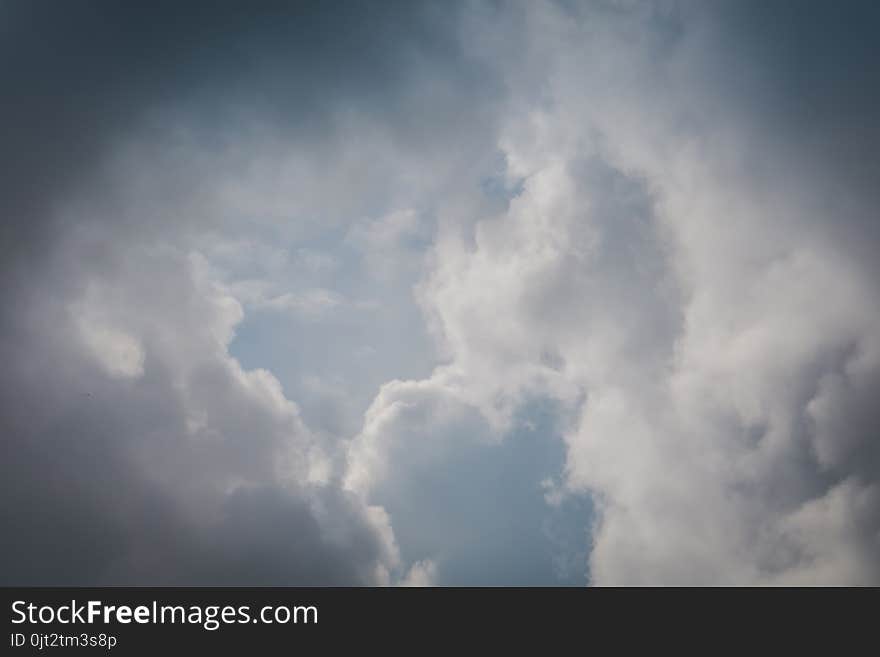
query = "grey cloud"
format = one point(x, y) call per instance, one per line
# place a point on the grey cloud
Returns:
point(660, 216)
point(188, 470)
point(140, 450)
point(77, 78)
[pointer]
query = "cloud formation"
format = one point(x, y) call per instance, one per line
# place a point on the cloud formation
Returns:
point(140, 449)
point(296, 296)
point(686, 285)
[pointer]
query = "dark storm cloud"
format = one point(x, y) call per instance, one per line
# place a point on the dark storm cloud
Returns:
point(76, 76)
point(81, 503)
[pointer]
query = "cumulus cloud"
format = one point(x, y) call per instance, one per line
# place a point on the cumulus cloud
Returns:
point(643, 234)
point(156, 455)
point(140, 449)
point(674, 280)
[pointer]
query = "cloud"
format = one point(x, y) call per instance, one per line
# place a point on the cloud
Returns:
point(421, 574)
point(131, 429)
point(642, 235)
point(700, 316)
point(174, 466)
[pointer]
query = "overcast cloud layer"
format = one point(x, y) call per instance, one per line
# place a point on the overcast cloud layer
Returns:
point(440, 293)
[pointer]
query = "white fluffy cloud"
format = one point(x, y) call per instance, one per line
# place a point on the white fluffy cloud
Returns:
point(717, 344)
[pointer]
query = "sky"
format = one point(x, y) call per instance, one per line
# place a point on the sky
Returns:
point(440, 293)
